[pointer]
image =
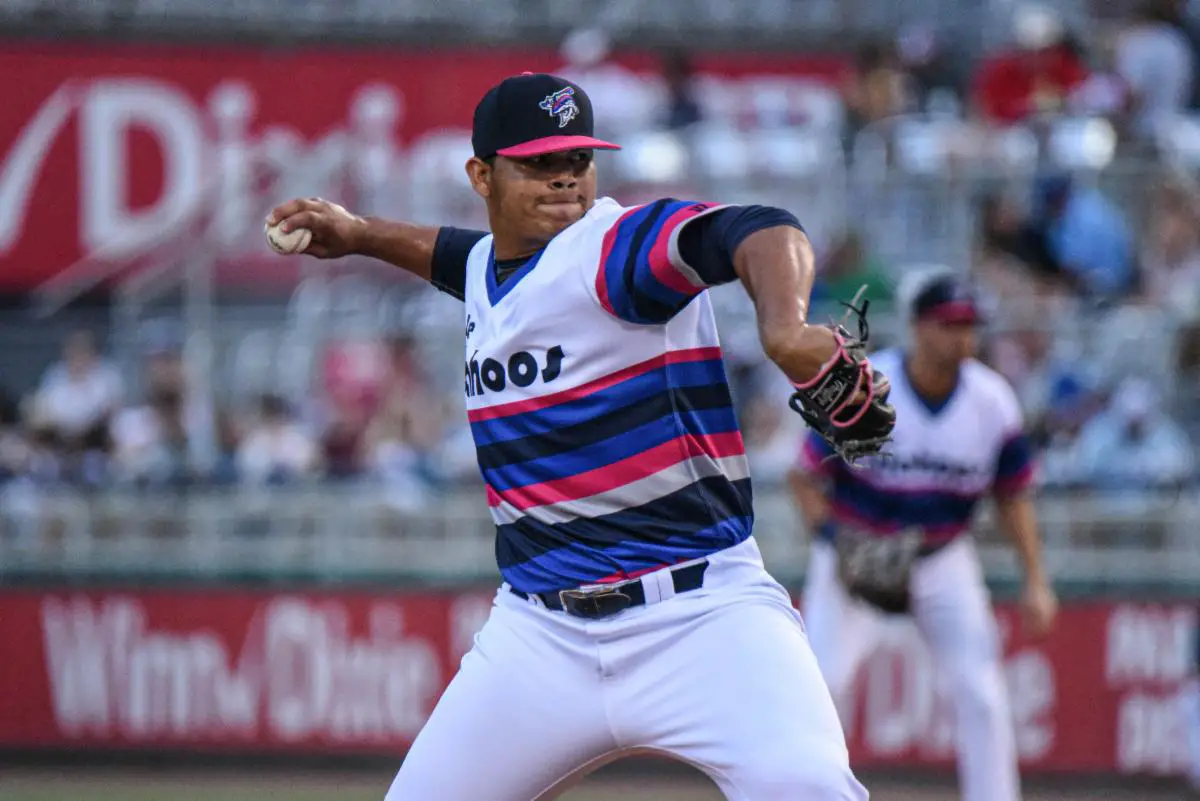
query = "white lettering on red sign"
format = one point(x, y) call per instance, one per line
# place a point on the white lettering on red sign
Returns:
point(1150, 734)
point(1149, 644)
point(909, 704)
point(213, 168)
point(299, 673)
point(1148, 655)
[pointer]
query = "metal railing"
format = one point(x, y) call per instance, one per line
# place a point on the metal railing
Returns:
point(362, 533)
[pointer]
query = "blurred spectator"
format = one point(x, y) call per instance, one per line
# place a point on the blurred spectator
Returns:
point(683, 109)
point(1057, 387)
point(1086, 234)
point(14, 450)
point(396, 456)
point(78, 395)
point(357, 376)
point(1170, 258)
point(1034, 78)
point(165, 374)
point(845, 269)
point(1104, 93)
point(341, 443)
point(621, 99)
point(150, 442)
point(879, 88)
point(933, 83)
point(1133, 444)
point(401, 442)
point(1005, 233)
point(276, 449)
point(1155, 59)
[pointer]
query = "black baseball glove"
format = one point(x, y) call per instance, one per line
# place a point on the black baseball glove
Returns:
point(846, 402)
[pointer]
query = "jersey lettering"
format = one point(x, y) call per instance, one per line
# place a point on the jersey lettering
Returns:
point(521, 369)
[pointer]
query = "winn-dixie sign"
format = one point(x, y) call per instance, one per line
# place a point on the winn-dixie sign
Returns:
point(352, 672)
point(110, 151)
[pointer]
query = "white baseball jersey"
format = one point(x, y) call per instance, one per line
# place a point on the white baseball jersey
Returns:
point(599, 404)
point(942, 461)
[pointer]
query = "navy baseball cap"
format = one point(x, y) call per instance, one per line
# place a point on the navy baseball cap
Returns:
point(531, 115)
point(946, 300)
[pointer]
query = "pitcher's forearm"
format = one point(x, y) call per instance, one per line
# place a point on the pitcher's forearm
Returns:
point(404, 245)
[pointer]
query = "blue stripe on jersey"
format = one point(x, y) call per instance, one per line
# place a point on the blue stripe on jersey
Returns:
point(704, 517)
point(900, 509)
point(605, 452)
point(636, 295)
point(579, 410)
point(604, 426)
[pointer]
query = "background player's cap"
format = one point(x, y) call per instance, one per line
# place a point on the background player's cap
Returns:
point(532, 114)
point(947, 299)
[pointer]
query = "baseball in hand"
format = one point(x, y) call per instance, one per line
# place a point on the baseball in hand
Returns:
point(290, 242)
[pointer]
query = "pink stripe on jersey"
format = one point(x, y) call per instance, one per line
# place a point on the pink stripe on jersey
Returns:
point(567, 395)
point(625, 471)
point(1015, 484)
point(610, 238)
point(623, 576)
point(813, 461)
point(660, 261)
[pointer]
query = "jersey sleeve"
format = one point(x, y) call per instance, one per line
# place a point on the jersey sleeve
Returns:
point(642, 277)
point(1015, 463)
point(814, 457)
point(449, 269)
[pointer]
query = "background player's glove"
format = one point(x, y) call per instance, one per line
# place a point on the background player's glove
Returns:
point(846, 402)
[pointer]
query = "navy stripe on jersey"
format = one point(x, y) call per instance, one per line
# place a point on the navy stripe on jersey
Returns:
point(896, 509)
point(637, 283)
point(623, 395)
point(601, 451)
point(1015, 465)
point(539, 557)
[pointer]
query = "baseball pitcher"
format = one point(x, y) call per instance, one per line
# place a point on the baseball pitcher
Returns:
point(635, 614)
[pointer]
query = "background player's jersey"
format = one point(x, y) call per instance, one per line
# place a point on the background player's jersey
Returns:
point(599, 405)
point(941, 462)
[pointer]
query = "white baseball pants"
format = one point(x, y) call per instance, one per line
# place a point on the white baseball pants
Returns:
point(953, 612)
point(721, 678)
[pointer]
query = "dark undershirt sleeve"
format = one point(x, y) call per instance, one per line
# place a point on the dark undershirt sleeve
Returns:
point(708, 243)
point(449, 269)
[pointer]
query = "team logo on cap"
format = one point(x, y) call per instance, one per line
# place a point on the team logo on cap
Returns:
point(561, 104)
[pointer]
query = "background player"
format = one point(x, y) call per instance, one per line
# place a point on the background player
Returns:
point(636, 613)
point(890, 535)
point(1191, 712)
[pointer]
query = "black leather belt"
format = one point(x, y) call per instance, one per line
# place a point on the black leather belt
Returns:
point(608, 601)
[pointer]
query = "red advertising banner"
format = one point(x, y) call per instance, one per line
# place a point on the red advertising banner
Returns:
point(110, 151)
point(352, 672)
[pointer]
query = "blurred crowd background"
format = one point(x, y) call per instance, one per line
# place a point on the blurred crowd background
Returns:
point(1049, 151)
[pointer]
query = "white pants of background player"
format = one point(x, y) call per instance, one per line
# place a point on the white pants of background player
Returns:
point(1191, 725)
point(721, 678)
point(953, 612)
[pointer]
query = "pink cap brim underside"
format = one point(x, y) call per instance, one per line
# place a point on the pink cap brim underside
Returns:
point(555, 144)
